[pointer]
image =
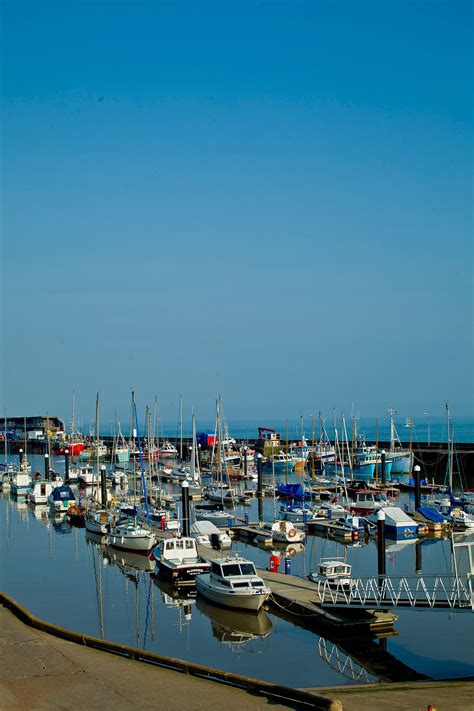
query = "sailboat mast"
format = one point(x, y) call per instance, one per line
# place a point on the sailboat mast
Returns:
point(286, 435)
point(5, 443)
point(97, 456)
point(181, 428)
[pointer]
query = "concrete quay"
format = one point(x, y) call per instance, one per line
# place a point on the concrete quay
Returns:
point(39, 671)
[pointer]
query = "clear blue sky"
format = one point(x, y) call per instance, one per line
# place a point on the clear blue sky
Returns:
point(271, 200)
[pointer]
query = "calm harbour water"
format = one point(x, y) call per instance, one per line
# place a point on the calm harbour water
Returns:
point(63, 576)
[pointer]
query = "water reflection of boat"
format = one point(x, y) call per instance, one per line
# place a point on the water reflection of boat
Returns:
point(40, 512)
point(178, 599)
point(128, 561)
point(288, 549)
point(61, 524)
point(235, 626)
point(93, 538)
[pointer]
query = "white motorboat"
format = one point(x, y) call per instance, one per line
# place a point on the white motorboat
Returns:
point(207, 534)
point(129, 536)
point(284, 532)
point(333, 573)
point(179, 561)
point(40, 491)
point(233, 582)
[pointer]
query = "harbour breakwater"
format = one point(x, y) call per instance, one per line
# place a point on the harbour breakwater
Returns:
point(432, 458)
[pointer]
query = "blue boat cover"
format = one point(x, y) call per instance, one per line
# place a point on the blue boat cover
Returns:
point(63, 493)
point(296, 491)
point(432, 514)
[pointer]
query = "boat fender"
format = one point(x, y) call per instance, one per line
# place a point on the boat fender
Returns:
point(292, 533)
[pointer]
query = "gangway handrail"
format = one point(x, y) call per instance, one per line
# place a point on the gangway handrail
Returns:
point(410, 590)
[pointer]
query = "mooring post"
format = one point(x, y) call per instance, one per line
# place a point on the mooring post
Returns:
point(382, 467)
point(418, 560)
point(46, 466)
point(381, 542)
point(185, 506)
point(66, 466)
point(259, 476)
point(416, 473)
point(103, 485)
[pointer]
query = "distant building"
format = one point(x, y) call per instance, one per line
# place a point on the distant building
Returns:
point(32, 427)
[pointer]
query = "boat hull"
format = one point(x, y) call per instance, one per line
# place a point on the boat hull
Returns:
point(183, 575)
point(234, 600)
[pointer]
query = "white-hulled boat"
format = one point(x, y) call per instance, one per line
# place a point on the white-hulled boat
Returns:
point(98, 521)
point(284, 532)
point(333, 573)
point(86, 475)
point(39, 492)
point(220, 492)
point(233, 582)
point(179, 561)
point(20, 484)
point(207, 534)
point(129, 536)
point(167, 450)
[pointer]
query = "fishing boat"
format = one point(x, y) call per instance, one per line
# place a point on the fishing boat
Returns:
point(233, 582)
point(333, 573)
point(207, 534)
point(178, 560)
point(401, 459)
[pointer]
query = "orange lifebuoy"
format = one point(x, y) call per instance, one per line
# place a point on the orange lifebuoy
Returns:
point(292, 533)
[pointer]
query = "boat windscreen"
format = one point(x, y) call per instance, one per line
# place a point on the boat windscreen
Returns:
point(247, 569)
point(231, 569)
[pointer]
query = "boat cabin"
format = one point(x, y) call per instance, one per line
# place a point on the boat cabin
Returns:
point(178, 550)
point(227, 571)
point(334, 569)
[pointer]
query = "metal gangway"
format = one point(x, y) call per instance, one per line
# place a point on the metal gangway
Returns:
point(383, 591)
point(450, 590)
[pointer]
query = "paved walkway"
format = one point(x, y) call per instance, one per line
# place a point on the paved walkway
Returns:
point(407, 696)
point(39, 671)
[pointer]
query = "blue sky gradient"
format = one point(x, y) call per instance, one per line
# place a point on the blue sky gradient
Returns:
point(271, 200)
